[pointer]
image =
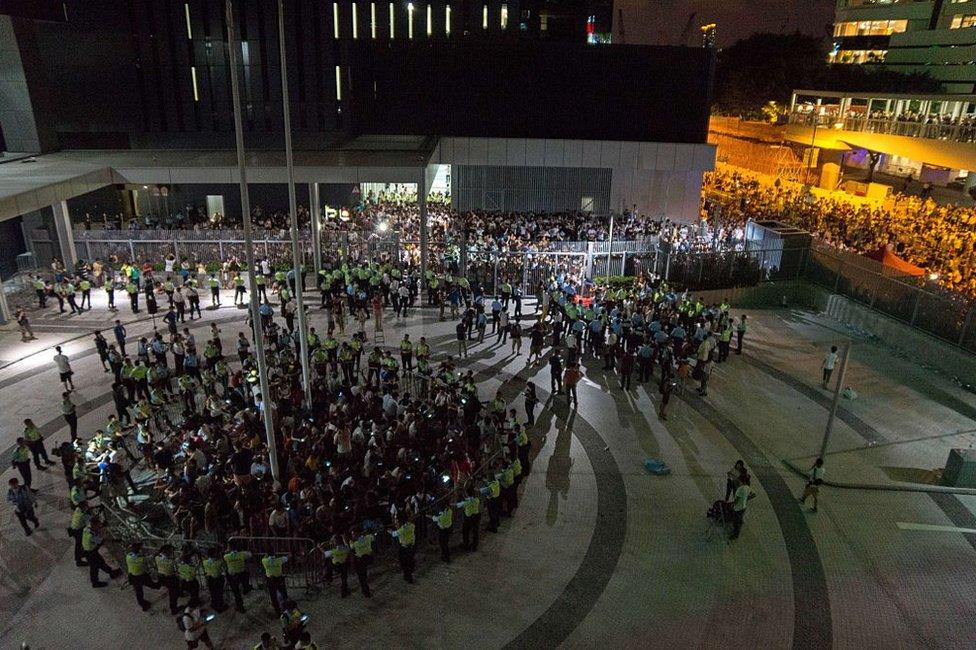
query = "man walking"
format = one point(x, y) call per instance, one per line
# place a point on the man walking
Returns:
point(91, 544)
point(119, 331)
point(815, 480)
point(23, 501)
point(64, 368)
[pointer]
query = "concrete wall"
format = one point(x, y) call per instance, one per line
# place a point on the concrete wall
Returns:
point(661, 178)
point(16, 115)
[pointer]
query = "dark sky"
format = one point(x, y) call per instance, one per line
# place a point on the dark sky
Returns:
point(665, 22)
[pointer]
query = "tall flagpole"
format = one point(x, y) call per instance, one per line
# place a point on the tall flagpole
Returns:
point(266, 404)
point(292, 204)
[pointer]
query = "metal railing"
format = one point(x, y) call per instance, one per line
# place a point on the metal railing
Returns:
point(964, 131)
point(944, 314)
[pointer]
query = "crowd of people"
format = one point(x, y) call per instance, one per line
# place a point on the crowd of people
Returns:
point(940, 238)
point(394, 446)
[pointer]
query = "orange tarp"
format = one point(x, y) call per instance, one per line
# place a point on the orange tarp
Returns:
point(892, 261)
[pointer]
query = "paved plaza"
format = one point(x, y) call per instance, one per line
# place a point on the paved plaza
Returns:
point(600, 553)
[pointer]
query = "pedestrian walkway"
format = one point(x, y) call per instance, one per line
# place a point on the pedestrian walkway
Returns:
point(600, 553)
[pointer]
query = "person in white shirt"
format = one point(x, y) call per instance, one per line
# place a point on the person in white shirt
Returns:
point(830, 360)
point(64, 368)
point(739, 501)
point(814, 481)
point(195, 628)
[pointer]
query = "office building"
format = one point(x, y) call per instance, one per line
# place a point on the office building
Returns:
point(936, 38)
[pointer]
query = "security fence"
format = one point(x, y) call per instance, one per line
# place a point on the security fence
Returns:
point(527, 269)
point(947, 315)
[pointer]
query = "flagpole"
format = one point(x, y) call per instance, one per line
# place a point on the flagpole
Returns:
point(266, 404)
point(292, 205)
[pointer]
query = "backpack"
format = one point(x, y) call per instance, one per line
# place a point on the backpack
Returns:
point(180, 623)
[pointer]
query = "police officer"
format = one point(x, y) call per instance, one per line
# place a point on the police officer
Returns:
point(406, 353)
point(339, 556)
point(492, 492)
point(79, 520)
point(110, 294)
point(214, 284)
point(133, 290)
point(193, 297)
point(85, 286)
point(21, 460)
point(135, 564)
point(506, 477)
point(41, 290)
point(91, 544)
point(238, 576)
point(274, 580)
point(186, 569)
point(166, 574)
point(239, 289)
point(213, 570)
point(445, 523)
point(362, 548)
point(406, 535)
point(472, 520)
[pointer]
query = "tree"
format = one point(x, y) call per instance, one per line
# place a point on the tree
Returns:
point(768, 67)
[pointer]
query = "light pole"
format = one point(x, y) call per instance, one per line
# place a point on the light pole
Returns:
point(845, 355)
point(610, 246)
point(292, 205)
point(269, 432)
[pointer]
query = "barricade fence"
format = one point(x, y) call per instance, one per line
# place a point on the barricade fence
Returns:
point(922, 305)
point(693, 269)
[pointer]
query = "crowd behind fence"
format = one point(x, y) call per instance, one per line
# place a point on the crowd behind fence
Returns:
point(944, 314)
point(938, 312)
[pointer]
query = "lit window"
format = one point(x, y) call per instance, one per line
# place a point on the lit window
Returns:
point(430, 20)
point(447, 20)
point(409, 20)
point(189, 28)
point(504, 16)
point(193, 77)
point(372, 19)
point(870, 28)
point(857, 56)
point(961, 21)
point(484, 17)
point(335, 19)
point(355, 22)
point(392, 31)
point(338, 84)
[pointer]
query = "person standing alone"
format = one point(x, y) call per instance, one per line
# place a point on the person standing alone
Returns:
point(830, 360)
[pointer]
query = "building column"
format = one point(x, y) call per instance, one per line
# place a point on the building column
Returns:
point(66, 236)
point(424, 235)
